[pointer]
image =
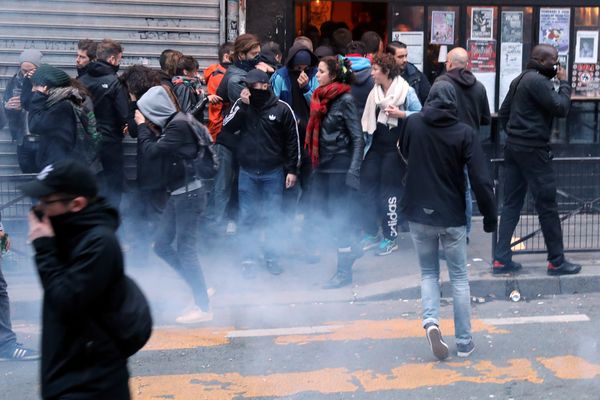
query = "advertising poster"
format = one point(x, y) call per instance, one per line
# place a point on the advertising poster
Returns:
point(482, 55)
point(511, 62)
point(442, 27)
point(414, 45)
point(586, 51)
point(554, 28)
point(482, 23)
point(512, 26)
point(586, 79)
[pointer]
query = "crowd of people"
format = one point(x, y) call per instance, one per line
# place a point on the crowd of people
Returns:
point(348, 134)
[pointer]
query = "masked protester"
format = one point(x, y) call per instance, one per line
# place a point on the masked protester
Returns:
point(335, 144)
point(526, 116)
point(269, 158)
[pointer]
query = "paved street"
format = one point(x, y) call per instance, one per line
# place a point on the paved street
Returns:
point(546, 348)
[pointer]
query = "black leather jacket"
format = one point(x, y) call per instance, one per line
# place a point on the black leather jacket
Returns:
point(341, 142)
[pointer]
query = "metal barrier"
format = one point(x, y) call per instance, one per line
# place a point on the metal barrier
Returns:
point(578, 197)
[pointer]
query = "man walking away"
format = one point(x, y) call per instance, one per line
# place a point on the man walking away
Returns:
point(80, 264)
point(111, 106)
point(434, 204)
point(411, 74)
point(526, 116)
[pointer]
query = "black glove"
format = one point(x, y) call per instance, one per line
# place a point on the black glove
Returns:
point(490, 224)
point(353, 180)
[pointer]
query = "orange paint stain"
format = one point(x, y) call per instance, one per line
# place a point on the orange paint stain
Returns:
point(571, 367)
point(171, 339)
point(378, 330)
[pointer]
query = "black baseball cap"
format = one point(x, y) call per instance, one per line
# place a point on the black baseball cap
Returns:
point(256, 76)
point(64, 176)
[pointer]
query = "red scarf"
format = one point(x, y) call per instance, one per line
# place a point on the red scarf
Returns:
point(319, 106)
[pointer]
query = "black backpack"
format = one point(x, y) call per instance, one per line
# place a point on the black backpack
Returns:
point(128, 321)
point(206, 163)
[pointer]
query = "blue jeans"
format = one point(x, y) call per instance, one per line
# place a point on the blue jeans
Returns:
point(260, 191)
point(427, 239)
point(469, 201)
point(7, 336)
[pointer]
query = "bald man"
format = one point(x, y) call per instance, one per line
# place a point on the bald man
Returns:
point(526, 116)
point(473, 107)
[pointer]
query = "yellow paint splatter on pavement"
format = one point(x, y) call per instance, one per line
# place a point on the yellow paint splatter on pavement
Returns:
point(571, 367)
point(178, 338)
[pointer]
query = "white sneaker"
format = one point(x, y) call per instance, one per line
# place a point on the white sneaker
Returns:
point(231, 228)
point(210, 292)
point(194, 316)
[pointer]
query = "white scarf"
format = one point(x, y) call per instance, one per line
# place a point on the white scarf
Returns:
point(396, 95)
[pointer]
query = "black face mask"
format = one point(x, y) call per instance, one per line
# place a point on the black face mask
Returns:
point(116, 68)
point(248, 65)
point(548, 72)
point(259, 97)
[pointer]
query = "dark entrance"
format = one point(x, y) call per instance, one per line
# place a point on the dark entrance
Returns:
point(326, 16)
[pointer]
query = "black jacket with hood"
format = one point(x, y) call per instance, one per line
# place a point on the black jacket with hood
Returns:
point(417, 80)
point(341, 141)
point(530, 107)
point(111, 101)
point(437, 147)
point(80, 268)
point(473, 107)
point(268, 136)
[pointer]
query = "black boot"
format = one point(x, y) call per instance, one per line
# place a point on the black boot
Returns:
point(343, 275)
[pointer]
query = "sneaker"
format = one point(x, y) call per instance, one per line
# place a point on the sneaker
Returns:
point(17, 352)
point(369, 242)
point(566, 268)
point(195, 316)
point(231, 228)
point(249, 269)
point(499, 267)
point(210, 292)
point(386, 247)
point(465, 350)
point(439, 348)
point(273, 267)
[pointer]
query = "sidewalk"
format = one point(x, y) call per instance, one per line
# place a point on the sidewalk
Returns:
point(396, 276)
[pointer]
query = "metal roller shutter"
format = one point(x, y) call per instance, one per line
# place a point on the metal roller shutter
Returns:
point(144, 27)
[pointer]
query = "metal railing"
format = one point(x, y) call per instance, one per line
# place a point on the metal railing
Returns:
point(578, 198)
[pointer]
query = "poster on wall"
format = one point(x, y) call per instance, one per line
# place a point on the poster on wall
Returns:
point(586, 51)
point(482, 23)
point(512, 26)
point(320, 12)
point(414, 45)
point(482, 55)
point(563, 60)
point(586, 79)
point(442, 27)
point(511, 62)
point(555, 28)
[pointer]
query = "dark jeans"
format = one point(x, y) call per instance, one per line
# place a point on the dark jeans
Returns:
point(112, 177)
point(382, 190)
point(261, 196)
point(529, 167)
point(221, 195)
point(118, 391)
point(27, 155)
point(179, 224)
point(7, 336)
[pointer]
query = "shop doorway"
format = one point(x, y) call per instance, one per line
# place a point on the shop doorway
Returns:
point(318, 19)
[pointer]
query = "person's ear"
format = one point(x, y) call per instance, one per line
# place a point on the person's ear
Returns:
point(78, 203)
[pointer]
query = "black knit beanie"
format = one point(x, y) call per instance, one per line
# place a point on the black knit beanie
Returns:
point(47, 75)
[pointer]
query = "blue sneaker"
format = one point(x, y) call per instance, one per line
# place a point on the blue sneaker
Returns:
point(386, 247)
point(369, 242)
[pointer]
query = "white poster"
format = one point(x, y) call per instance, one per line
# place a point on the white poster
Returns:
point(414, 45)
point(489, 81)
point(482, 23)
point(442, 27)
point(555, 26)
point(511, 63)
point(586, 51)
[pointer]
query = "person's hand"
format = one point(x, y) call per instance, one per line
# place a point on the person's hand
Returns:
point(40, 88)
point(561, 74)
point(14, 103)
point(39, 229)
point(394, 112)
point(290, 181)
point(2, 235)
point(265, 67)
point(245, 96)
point(139, 117)
point(29, 74)
point(303, 79)
point(490, 224)
point(126, 130)
point(214, 99)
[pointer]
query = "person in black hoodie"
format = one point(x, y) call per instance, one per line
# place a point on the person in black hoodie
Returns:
point(80, 265)
point(335, 144)
point(269, 158)
point(111, 106)
point(526, 116)
point(177, 145)
point(437, 147)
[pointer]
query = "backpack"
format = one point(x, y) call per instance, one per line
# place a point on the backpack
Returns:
point(206, 163)
point(88, 140)
point(129, 321)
